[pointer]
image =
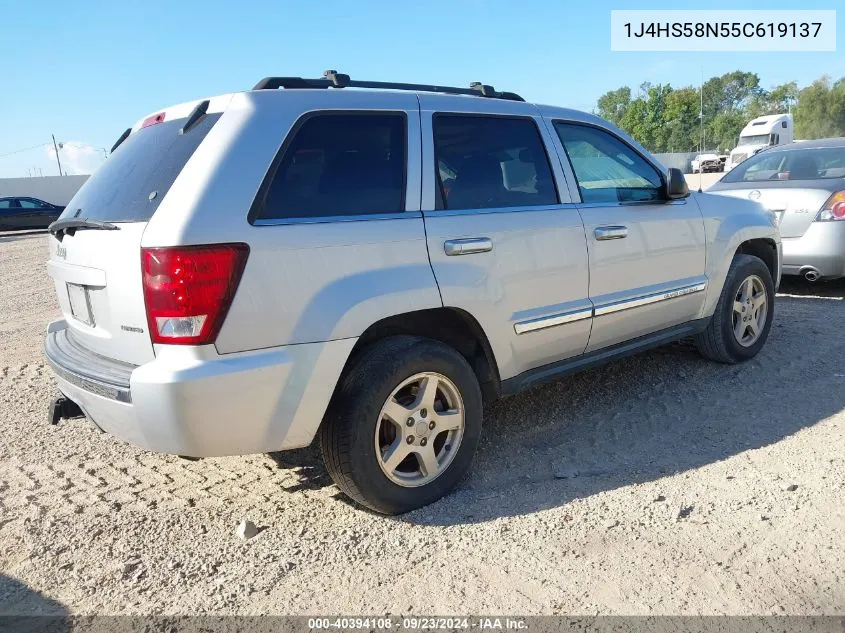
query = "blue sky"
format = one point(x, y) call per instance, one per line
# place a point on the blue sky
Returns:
point(87, 70)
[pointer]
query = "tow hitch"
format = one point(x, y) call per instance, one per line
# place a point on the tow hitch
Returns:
point(63, 409)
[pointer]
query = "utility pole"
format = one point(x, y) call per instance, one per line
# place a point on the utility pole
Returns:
point(56, 147)
point(701, 111)
point(701, 126)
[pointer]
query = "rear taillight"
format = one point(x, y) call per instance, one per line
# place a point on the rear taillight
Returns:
point(833, 209)
point(188, 290)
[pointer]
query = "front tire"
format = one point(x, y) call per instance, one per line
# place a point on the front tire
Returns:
point(743, 317)
point(403, 425)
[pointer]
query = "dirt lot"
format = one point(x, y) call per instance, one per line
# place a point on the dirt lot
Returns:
point(657, 484)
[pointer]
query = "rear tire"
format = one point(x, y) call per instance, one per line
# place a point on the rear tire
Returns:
point(743, 317)
point(403, 425)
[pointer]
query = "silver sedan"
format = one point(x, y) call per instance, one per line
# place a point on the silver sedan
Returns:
point(803, 184)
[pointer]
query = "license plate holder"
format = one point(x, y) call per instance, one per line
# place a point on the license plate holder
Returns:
point(80, 304)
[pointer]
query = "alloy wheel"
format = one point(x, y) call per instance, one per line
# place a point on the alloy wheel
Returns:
point(419, 429)
point(750, 311)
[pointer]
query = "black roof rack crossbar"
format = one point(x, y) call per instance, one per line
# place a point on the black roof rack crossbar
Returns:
point(333, 79)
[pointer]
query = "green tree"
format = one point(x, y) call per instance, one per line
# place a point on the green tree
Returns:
point(613, 104)
point(681, 120)
point(723, 130)
point(779, 100)
point(820, 112)
point(645, 118)
point(667, 119)
point(731, 91)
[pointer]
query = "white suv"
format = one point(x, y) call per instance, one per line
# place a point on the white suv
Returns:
point(251, 270)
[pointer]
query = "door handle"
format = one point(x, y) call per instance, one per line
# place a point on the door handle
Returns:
point(611, 233)
point(468, 245)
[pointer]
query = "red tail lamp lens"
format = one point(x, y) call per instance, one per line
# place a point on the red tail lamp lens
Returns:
point(188, 290)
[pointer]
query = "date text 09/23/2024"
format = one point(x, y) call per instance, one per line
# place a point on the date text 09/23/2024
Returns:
point(418, 623)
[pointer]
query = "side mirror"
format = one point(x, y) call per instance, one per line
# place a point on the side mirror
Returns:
point(676, 186)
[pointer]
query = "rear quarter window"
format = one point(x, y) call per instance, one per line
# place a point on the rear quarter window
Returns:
point(133, 181)
point(337, 164)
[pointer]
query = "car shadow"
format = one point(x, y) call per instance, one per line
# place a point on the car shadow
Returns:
point(306, 464)
point(638, 419)
point(25, 610)
point(646, 417)
point(795, 286)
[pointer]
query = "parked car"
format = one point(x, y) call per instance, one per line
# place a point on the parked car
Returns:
point(250, 271)
point(707, 163)
point(803, 185)
point(27, 213)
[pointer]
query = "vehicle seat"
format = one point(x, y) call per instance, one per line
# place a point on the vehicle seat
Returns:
point(803, 167)
point(479, 183)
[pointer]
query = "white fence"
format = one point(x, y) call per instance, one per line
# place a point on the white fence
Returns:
point(56, 189)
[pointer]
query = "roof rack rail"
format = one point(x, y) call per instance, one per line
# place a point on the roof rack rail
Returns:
point(334, 79)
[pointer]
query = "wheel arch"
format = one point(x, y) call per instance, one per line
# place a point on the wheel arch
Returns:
point(452, 326)
point(765, 249)
point(743, 232)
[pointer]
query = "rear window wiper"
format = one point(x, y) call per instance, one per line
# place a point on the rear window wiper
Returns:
point(70, 225)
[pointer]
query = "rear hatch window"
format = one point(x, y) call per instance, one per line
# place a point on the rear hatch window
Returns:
point(134, 180)
point(97, 273)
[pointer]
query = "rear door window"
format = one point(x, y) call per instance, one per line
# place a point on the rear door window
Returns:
point(339, 164)
point(488, 162)
point(133, 181)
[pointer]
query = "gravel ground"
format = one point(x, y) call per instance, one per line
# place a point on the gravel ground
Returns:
point(659, 484)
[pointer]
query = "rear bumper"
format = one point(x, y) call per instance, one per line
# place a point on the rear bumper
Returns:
point(822, 247)
point(192, 401)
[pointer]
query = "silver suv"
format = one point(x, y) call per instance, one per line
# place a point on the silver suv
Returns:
point(369, 263)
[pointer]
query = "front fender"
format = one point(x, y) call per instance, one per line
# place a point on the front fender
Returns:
point(728, 223)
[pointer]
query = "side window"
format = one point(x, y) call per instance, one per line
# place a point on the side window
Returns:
point(340, 164)
point(608, 170)
point(28, 203)
point(486, 162)
point(765, 169)
point(5, 204)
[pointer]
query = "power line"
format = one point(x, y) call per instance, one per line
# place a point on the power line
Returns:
point(25, 149)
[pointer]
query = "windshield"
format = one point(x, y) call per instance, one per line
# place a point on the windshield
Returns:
point(812, 163)
point(754, 139)
point(135, 178)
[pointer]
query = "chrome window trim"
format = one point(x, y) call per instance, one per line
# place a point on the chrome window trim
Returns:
point(638, 203)
point(541, 323)
point(364, 217)
point(655, 297)
point(543, 207)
